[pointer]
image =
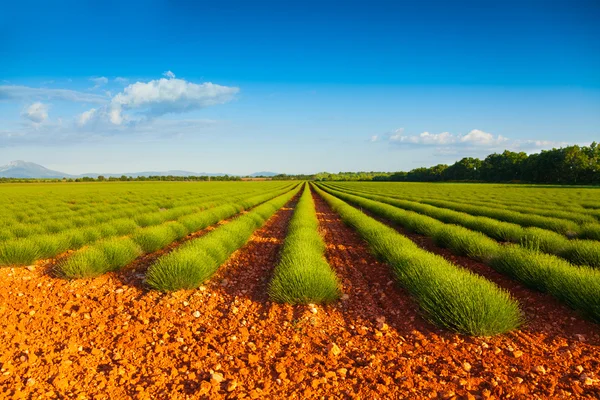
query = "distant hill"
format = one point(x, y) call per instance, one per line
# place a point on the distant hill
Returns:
point(263, 173)
point(23, 169)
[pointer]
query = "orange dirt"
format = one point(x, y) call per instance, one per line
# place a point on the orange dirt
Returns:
point(110, 338)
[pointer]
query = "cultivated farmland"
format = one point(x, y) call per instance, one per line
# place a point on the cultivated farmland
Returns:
point(299, 289)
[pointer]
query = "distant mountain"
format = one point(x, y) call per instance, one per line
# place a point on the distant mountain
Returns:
point(264, 173)
point(23, 169)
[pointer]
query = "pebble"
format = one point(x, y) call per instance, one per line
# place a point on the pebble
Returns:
point(185, 304)
point(196, 314)
point(345, 297)
point(539, 370)
point(517, 353)
point(333, 350)
point(216, 377)
point(579, 369)
point(231, 386)
point(466, 366)
point(120, 290)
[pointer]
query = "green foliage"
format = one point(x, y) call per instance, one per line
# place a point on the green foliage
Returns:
point(450, 296)
point(525, 264)
point(87, 263)
point(197, 260)
point(303, 275)
point(18, 252)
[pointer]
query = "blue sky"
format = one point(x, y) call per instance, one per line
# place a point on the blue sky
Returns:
point(239, 87)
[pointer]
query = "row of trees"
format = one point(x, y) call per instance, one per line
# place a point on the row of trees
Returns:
point(124, 178)
point(572, 165)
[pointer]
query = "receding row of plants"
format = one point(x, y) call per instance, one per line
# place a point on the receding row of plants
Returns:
point(565, 227)
point(580, 252)
point(111, 255)
point(142, 215)
point(563, 203)
point(197, 260)
point(72, 201)
point(24, 251)
point(576, 286)
point(303, 275)
point(449, 295)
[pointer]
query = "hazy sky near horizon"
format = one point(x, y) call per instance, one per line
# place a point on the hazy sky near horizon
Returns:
point(239, 87)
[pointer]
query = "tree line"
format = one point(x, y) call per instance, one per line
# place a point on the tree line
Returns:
point(571, 165)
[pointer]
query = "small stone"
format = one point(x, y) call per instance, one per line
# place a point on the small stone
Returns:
point(313, 309)
point(342, 372)
point(484, 345)
point(579, 369)
point(234, 310)
point(345, 297)
point(517, 353)
point(519, 380)
point(231, 386)
point(196, 314)
point(216, 377)
point(32, 312)
point(333, 350)
point(580, 337)
point(185, 304)
point(202, 288)
point(538, 369)
point(382, 326)
point(31, 382)
point(30, 267)
point(119, 290)
point(466, 366)
point(447, 394)
point(587, 381)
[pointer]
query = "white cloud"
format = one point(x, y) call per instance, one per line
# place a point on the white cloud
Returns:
point(425, 138)
point(9, 92)
point(36, 112)
point(475, 138)
point(86, 116)
point(374, 138)
point(169, 75)
point(122, 81)
point(101, 81)
point(483, 139)
point(164, 96)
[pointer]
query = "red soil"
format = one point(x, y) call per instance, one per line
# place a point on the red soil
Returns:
point(109, 337)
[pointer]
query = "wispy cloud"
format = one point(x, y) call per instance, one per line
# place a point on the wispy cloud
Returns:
point(88, 129)
point(17, 92)
point(476, 140)
point(475, 137)
point(99, 82)
point(36, 112)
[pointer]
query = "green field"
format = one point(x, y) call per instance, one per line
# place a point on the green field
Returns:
point(546, 238)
